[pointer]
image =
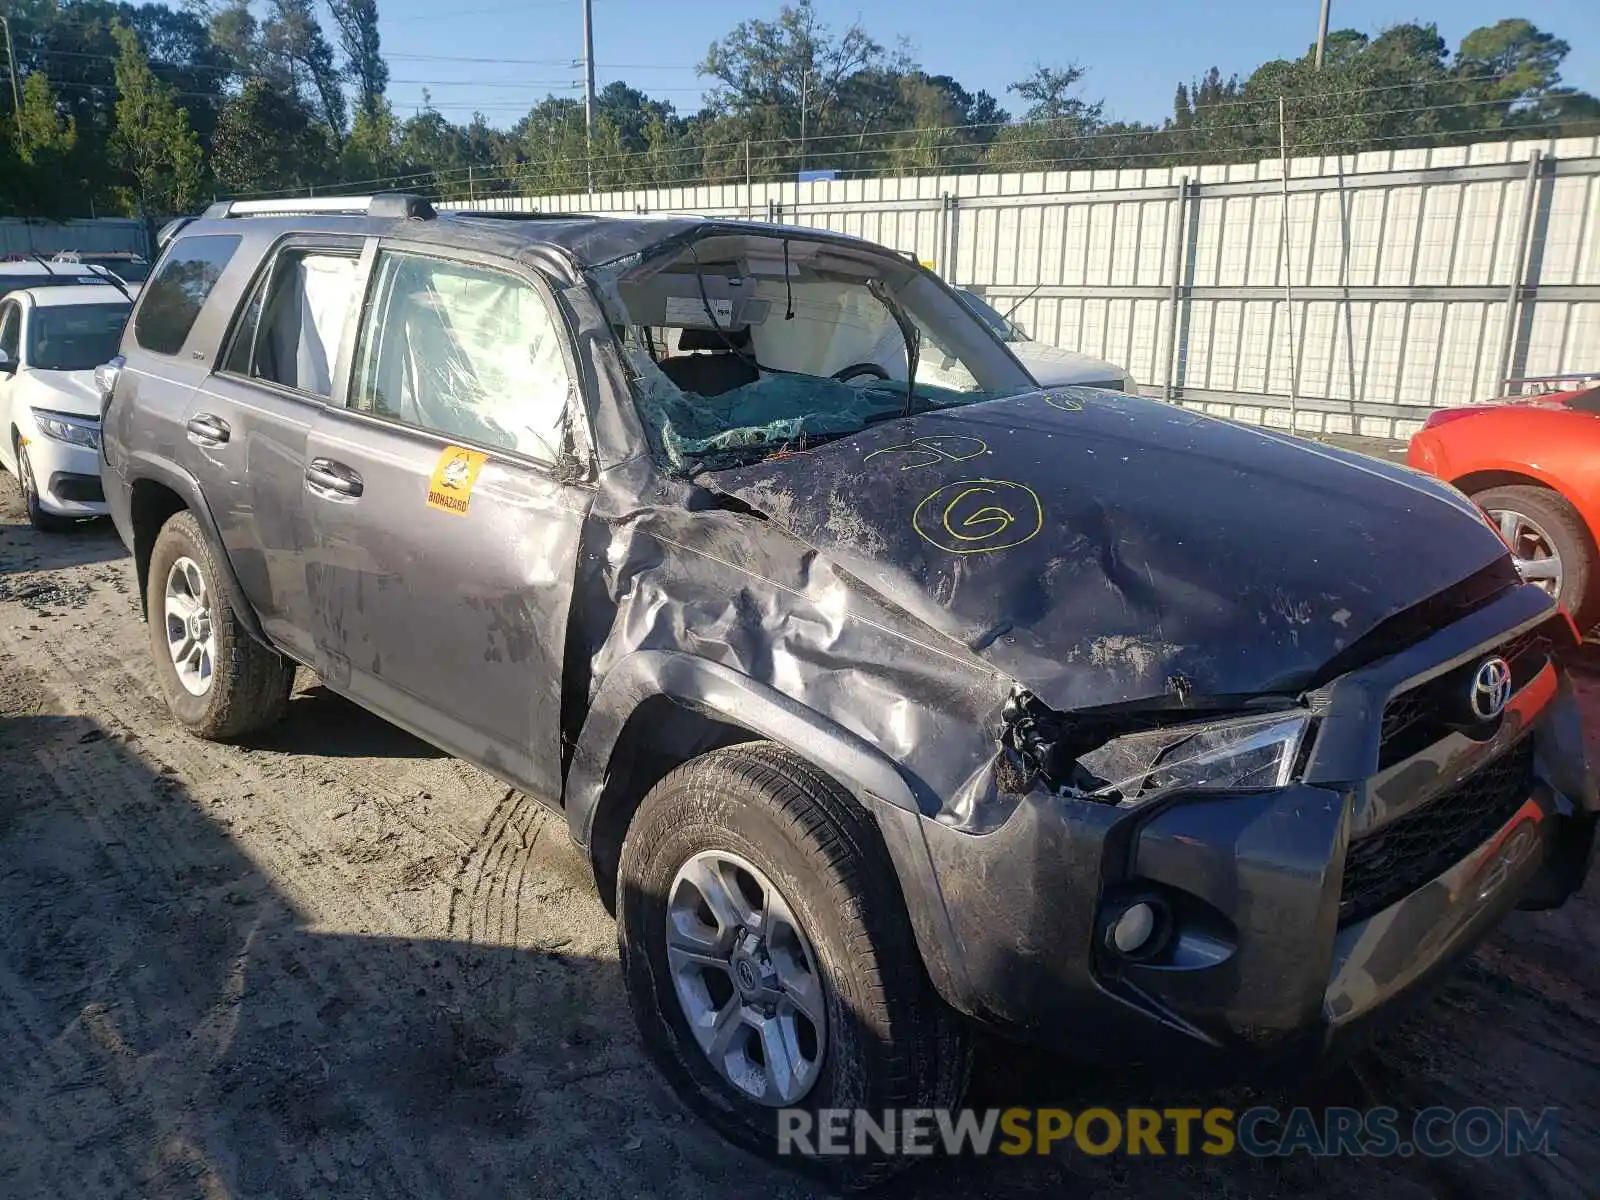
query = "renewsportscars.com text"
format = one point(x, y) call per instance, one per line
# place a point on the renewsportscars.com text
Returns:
point(1263, 1132)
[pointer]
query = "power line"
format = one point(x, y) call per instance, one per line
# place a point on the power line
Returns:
point(649, 161)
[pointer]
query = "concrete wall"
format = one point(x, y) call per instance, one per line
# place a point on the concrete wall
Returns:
point(1400, 281)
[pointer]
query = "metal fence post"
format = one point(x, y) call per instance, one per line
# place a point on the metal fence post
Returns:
point(1169, 344)
point(1519, 264)
point(953, 229)
point(941, 234)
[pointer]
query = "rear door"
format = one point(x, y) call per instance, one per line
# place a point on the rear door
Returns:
point(446, 515)
point(248, 421)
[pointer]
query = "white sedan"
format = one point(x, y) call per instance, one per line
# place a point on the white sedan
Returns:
point(51, 340)
point(1049, 366)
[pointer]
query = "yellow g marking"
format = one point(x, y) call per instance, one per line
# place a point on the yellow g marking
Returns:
point(454, 477)
point(978, 516)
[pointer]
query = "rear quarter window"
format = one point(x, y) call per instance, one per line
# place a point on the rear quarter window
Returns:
point(173, 298)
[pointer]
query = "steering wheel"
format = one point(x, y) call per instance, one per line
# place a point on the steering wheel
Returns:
point(860, 370)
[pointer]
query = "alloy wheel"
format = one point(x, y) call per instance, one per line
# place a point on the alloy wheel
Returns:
point(746, 977)
point(1533, 550)
point(191, 635)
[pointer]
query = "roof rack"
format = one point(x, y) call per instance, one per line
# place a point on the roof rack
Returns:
point(393, 205)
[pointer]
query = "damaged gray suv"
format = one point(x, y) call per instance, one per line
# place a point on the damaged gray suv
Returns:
point(889, 696)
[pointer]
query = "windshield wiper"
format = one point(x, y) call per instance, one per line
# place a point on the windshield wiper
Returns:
point(1006, 316)
point(101, 272)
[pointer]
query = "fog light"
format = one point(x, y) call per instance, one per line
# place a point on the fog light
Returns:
point(1131, 932)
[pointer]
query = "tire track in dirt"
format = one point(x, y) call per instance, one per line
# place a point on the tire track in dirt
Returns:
point(145, 852)
point(72, 1079)
point(289, 849)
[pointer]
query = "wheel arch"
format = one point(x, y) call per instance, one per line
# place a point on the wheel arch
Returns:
point(157, 490)
point(1481, 480)
point(658, 709)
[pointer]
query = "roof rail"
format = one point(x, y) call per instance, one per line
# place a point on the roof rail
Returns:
point(394, 205)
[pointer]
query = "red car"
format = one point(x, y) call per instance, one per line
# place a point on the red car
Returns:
point(1533, 464)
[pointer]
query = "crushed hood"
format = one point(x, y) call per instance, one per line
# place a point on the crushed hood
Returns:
point(71, 392)
point(1093, 546)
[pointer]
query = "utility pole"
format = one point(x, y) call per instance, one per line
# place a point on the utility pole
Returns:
point(588, 80)
point(805, 79)
point(1288, 266)
point(1322, 33)
point(16, 96)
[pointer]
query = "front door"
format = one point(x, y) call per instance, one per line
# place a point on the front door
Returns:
point(446, 535)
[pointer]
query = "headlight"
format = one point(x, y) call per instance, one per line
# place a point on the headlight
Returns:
point(75, 431)
point(1251, 752)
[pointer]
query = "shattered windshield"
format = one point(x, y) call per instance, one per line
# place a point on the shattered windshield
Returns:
point(745, 346)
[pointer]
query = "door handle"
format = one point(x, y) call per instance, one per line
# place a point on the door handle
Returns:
point(207, 430)
point(324, 475)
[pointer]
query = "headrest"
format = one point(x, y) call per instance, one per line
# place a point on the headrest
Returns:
point(694, 337)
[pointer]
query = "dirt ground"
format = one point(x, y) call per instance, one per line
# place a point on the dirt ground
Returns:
point(334, 962)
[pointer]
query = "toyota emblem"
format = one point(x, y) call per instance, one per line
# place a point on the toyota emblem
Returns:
point(1491, 688)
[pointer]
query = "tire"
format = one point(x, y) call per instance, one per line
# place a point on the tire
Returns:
point(44, 522)
point(247, 686)
point(1550, 512)
point(890, 1042)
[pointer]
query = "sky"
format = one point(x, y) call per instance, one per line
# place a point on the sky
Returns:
point(1136, 51)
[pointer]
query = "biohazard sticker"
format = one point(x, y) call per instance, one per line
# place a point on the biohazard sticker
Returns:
point(450, 489)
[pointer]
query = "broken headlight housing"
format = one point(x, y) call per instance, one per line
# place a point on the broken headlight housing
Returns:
point(1232, 754)
point(1243, 754)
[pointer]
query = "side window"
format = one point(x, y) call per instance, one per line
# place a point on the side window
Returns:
point(10, 330)
point(464, 351)
point(294, 321)
point(175, 294)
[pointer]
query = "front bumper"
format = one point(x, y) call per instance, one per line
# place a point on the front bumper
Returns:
point(1262, 961)
point(68, 478)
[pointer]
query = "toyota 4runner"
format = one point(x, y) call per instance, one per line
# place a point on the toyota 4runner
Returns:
point(888, 695)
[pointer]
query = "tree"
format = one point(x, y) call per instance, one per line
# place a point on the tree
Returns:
point(1511, 60)
point(788, 81)
point(357, 21)
point(371, 152)
point(266, 141)
point(294, 41)
point(152, 143)
point(1049, 93)
point(236, 34)
point(44, 178)
point(1061, 127)
point(45, 135)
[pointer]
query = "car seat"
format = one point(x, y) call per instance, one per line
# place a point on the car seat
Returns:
point(710, 362)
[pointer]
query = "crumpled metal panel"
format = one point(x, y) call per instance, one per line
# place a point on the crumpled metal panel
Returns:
point(1095, 546)
point(1097, 549)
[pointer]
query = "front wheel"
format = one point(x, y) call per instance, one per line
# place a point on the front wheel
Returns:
point(1549, 543)
point(44, 522)
point(218, 681)
point(769, 959)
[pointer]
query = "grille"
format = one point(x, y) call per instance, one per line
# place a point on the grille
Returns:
point(1415, 720)
point(1391, 863)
